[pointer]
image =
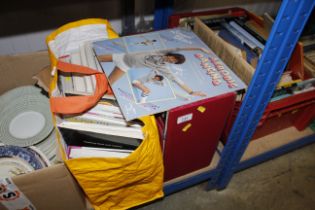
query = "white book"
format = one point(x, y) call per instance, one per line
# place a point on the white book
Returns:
point(84, 62)
point(90, 56)
point(83, 56)
point(107, 114)
point(100, 119)
point(91, 61)
point(112, 112)
point(66, 82)
point(98, 66)
point(79, 152)
point(66, 78)
point(108, 129)
point(78, 81)
point(78, 84)
point(109, 108)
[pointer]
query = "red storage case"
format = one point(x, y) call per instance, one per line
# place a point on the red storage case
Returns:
point(174, 19)
point(297, 110)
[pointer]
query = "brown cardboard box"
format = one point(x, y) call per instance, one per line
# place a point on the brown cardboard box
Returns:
point(51, 188)
point(18, 70)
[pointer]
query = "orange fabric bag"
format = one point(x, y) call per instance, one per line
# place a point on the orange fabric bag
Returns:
point(79, 104)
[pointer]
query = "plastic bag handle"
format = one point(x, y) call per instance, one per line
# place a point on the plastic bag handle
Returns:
point(79, 104)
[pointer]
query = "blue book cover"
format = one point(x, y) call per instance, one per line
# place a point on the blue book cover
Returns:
point(157, 71)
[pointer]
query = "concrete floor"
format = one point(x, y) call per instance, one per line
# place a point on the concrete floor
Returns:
point(287, 182)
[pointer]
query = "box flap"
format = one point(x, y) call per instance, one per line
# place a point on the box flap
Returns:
point(51, 188)
point(43, 78)
point(17, 70)
point(243, 70)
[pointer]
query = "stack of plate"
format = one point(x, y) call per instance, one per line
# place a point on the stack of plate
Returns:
point(16, 160)
point(26, 121)
point(49, 146)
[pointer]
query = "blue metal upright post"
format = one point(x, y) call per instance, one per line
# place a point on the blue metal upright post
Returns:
point(163, 9)
point(286, 30)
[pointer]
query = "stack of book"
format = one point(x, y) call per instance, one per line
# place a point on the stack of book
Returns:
point(102, 131)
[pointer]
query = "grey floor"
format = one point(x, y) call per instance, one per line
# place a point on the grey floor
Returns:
point(287, 182)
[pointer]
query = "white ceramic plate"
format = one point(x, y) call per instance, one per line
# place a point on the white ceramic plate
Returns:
point(49, 145)
point(25, 117)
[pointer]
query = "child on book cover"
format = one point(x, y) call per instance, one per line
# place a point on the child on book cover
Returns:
point(157, 61)
point(157, 71)
point(142, 82)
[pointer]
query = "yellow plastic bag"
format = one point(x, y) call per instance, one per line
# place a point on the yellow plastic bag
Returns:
point(112, 183)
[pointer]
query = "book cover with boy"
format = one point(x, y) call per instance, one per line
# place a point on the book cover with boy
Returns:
point(154, 72)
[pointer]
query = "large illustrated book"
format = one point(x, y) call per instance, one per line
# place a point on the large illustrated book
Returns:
point(154, 72)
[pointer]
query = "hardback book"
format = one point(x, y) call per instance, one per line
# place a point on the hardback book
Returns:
point(192, 133)
point(157, 71)
point(73, 137)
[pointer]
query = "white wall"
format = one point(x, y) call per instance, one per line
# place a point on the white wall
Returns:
point(35, 41)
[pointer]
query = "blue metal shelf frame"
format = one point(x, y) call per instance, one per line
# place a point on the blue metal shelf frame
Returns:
point(286, 30)
point(183, 184)
point(290, 21)
point(163, 9)
point(275, 152)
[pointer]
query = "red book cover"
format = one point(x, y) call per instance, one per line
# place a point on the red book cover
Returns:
point(192, 134)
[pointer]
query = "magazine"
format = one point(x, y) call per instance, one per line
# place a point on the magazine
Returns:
point(154, 72)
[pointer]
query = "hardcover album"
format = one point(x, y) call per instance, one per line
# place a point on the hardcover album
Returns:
point(154, 72)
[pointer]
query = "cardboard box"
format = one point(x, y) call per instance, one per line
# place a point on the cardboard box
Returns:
point(227, 53)
point(50, 188)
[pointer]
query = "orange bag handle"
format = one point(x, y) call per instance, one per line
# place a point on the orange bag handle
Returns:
point(79, 104)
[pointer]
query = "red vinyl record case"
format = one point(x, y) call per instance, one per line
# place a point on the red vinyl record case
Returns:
point(192, 134)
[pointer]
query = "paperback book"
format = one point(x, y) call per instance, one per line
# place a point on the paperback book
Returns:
point(157, 71)
point(104, 118)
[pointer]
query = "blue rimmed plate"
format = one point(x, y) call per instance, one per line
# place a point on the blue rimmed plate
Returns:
point(17, 160)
